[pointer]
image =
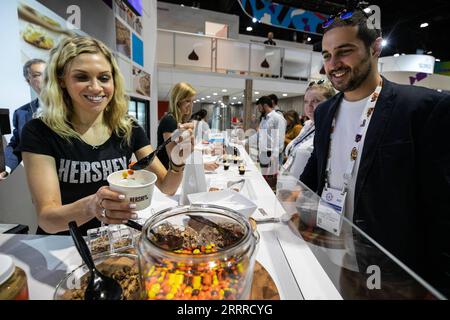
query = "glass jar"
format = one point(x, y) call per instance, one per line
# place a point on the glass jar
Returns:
point(198, 252)
point(13, 280)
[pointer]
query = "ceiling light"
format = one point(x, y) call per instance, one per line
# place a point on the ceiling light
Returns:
point(215, 102)
point(234, 98)
point(256, 92)
point(424, 25)
point(243, 96)
point(396, 55)
point(309, 39)
point(284, 94)
point(220, 101)
point(239, 102)
point(214, 93)
point(207, 97)
point(203, 99)
point(249, 29)
point(224, 90)
point(254, 20)
point(232, 103)
point(384, 43)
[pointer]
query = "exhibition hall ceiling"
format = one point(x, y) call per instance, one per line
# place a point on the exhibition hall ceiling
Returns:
point(400, 22)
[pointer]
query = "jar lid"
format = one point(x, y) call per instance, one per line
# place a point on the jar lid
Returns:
point(7, 268)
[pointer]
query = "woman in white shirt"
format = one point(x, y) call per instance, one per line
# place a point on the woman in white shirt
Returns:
point(299, 150)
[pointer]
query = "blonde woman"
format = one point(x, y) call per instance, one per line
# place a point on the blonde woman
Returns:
point(180, 110)
point(181, 101)
point(299, 150)
point(83, 135)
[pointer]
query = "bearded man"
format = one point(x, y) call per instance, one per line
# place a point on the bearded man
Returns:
point(382, 157)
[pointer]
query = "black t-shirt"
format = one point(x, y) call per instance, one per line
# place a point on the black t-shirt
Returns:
point(167, 124)
point(82, 169)
point(270, 42)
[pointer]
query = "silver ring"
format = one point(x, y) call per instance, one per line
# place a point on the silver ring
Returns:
point(103, 214)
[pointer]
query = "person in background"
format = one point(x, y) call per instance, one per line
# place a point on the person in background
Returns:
point(180, 110)
point(82, 135)
point(202, 129)
point(274, 99)
point(277, 109)
point(299, 150)
point(293, 126)
point(33, 72)
point(383, 148)
point(270, 140)
point(269, 40)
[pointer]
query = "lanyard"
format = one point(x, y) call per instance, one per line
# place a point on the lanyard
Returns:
point(366, 116)
point(301, 139)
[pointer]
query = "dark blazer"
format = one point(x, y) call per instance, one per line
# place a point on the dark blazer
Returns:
point(20, 117)
point(402, 192)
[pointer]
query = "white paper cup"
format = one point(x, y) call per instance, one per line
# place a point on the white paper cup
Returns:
point(138, 188)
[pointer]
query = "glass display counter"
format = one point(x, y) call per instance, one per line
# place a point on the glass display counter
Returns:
point(358, 266)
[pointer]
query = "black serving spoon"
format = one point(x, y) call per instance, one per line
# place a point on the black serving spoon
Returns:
point(100, 287)
point(145, 161)
point(169, 241)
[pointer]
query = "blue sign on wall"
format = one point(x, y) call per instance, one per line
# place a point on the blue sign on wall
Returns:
point(282, 16)
point(138, 50)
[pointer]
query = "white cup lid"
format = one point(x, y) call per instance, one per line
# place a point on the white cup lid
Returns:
point(7, 268)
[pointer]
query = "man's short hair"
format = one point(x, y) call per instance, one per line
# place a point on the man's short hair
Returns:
point(359, 19)
point(274, 98)
point(264, 100)
point(28, 64)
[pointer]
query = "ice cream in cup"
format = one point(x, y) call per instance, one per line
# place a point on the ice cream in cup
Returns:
point(137, 186)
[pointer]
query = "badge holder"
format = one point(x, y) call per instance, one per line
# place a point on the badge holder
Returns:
point(331, 210)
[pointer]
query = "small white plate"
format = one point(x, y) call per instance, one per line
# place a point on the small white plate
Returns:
point(225, 198)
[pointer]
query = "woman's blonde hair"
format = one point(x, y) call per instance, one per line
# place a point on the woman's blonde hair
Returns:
point(324, 85)
point(57, 104)
point(179, 92)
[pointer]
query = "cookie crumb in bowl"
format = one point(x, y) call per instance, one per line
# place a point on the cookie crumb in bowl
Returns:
point(121, 267)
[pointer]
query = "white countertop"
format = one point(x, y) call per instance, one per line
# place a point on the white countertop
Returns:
point(293, 267)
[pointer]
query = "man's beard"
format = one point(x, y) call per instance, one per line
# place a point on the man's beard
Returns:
point(358, 75)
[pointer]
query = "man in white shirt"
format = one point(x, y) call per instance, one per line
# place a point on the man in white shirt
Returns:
point(270, 139)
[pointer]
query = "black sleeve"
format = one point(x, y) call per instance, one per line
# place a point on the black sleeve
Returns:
point(139, 138)
point(434, 168)
point(168, 124)
point(12, 159)
point(309, 174)
point(35, 138)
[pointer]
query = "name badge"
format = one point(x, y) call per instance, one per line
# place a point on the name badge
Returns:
point(331, 210)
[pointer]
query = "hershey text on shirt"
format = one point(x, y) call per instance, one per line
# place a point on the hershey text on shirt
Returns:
point(86, 172)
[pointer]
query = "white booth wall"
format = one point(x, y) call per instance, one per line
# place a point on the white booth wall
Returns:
point(15, 200)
